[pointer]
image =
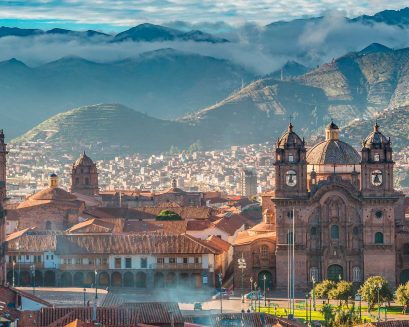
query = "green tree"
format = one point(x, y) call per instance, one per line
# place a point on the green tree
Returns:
point(328, 313)
point(402, 294)
point(369, 291)
point(346, 317)
point(168, 215)
point(343, 291)
point(322, 289)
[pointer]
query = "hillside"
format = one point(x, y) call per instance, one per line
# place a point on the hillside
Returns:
point(106, 130)
point(164, 83)
point(393, 123)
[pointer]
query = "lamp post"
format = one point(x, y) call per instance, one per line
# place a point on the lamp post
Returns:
point(84, 295)
point(359, 298)
point(256, 293)
point(379, 307)
point(264, 281)
point(221, 294)
point(251, 292)
point(306, 307)
point(96, 285)
point(242, 265)
point(14, 264)
point(33, 277)
point(313, 292)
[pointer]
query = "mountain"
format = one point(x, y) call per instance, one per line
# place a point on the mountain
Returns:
point(362, 83)
point(28, 32)
point(164, 83)
point(107, 130)
point(290, 69)
point(156, 33)
point(389, 17)
point(393, 123)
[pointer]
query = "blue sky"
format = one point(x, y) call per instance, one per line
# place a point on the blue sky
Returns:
point(116, 15)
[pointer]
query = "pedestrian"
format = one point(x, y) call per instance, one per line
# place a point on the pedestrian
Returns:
point(405, 307)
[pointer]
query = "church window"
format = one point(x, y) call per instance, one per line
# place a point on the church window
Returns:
point(291, 178)
point(376, 177)
point(290, 158)
point(376, 157)
point(313, 231)
point(86, 181)
point(378, 214)
point(314, 274)
point(406, 249)
point(378, 238)
point(290, 214)
point(264, 251)
point(290, 238)
point(335, 232)
point(356, 274)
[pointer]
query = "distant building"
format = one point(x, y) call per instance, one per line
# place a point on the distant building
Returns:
point(84, 176)
point(248, 182)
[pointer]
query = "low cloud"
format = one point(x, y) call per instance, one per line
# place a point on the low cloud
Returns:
point(261, 49)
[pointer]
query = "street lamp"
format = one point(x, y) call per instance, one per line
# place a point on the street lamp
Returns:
point(14, 264)
point(242, 266)
point(96, 285)
point(359, 298)
point(84, 295)
point(313, 291)
point(221, 294)
point(306, 307)
point(264, 281)
point(257, 295)
point(33, 277)
point(251, 284)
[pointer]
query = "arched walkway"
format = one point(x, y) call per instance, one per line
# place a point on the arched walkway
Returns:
point(49, 278)
point(78, 279)
point(39, 278)
point(128, 279)
point(269, 280)
point(335, 273)
point(116, 279)
point(10, 277)
point(159, 280)
point(404, 276)
point(103, 279)
point(66, 279)
point(171, 279)
point(184, 280)
point(25, 278)
point(140, 279)
point(89, 279)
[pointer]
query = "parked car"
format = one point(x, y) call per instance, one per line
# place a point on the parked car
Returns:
point(197, 306)
point(255, 295)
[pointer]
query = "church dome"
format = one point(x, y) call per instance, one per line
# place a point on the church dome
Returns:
point(83, 160)
point(53, 194)
point(375, 140)
point(333, 152)
point(289, 139)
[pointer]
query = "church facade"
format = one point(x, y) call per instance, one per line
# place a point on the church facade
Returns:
point(348, 219)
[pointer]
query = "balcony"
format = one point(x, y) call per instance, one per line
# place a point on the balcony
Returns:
point(177, 266)
point(25, 265)
point(83, 267)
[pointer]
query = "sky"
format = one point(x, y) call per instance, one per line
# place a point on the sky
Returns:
point(117, 15)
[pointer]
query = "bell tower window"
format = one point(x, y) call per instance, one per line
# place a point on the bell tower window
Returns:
point(291, 178)
point(290, 158)
point(335, 232)
point(376, 157)
point(378, 238)
point(376, 177)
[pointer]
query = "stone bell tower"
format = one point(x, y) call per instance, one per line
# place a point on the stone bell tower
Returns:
point(84, 176)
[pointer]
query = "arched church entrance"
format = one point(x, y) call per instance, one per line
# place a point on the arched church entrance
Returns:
point(335, 273)
point(404, 276)
point(269, 280)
